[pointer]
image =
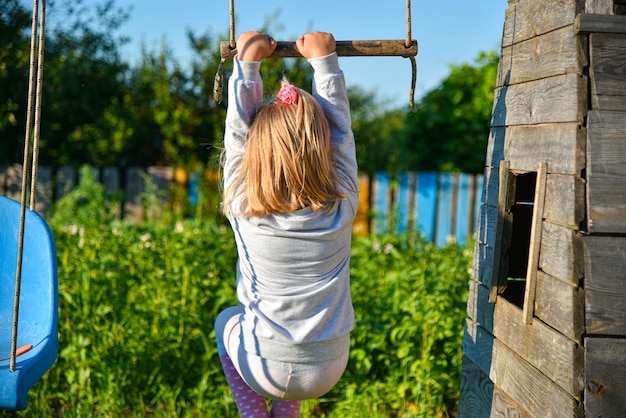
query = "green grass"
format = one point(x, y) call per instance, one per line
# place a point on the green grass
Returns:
point(137, 304)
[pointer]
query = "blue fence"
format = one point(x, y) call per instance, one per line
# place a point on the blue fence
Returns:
point(442, 206)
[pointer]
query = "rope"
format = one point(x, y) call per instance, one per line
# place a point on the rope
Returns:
point(27, 136)
point(409, 40)
point(233, 43)
point(284, 49)
point(37, 132)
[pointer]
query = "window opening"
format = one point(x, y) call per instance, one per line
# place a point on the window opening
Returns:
point(520, 216)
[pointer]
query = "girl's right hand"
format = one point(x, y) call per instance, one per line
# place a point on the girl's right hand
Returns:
point(254, 46)
point(316, 44)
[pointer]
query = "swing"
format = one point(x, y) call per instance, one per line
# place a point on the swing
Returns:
point(406, 48)
point(28, 269)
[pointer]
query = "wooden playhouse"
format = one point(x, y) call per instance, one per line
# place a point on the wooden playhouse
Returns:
point(546, 333)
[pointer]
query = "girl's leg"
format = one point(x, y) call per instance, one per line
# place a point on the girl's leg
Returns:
point(249, 403)
point(285, 409)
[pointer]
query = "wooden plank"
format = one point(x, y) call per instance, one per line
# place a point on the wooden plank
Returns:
point(504, 405)
point(483, 263)
point(66, 181)
point(556, 356)
point(404, 198)
point(133, 189)
point(535, 242)
point(446, 192)
point(562, 145)
point(560, 305)
point(608, 71)
point(480, 398)
point(426, 204)
point(526, 19)
point(502, 231)
point(13, 182)
point(604, 7)
point(478, 188)
point(534, 391)
point(561, 253)
point(464, 208)
point(565, 200)
point(479, 309)
point(495, 147)
point(555, 53)
point(605, 285)
point(381, 202)
point(594, 23)
point(606, 172)
point(111, 182)
point(360, 227)
point(478, 345)
point(491, 186)
point(550, 100)
point(605, 374)
point(44, 190)
point(161, 179)
point(476, 396)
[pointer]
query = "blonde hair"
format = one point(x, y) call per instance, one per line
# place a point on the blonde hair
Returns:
point(288, 162)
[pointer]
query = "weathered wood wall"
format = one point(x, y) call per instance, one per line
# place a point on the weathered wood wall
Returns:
point(605, 246)
point(554, 342)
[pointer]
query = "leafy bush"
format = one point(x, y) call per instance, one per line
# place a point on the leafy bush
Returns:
point(137, 304)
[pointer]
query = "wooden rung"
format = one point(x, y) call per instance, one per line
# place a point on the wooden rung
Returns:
point(343, 48)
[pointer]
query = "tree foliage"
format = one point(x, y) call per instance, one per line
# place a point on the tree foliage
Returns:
point(99, 109)
point(449, 131)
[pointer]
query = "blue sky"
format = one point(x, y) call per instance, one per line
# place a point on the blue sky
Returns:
point(448, 32)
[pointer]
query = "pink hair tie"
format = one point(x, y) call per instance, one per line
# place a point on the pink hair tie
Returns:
point(288, 94)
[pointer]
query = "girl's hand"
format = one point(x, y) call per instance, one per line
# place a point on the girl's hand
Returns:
point(316, 44)
point(254, 46)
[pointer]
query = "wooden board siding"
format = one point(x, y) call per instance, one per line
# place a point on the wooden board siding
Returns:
point(561, 145)
point(608, 71)
point(599, 6)
point(528, 386)
point(561, 253)
point(555, 53)
point(561, 306)
point(550, 100)
point(535, 392)
point(565, 200)
point(594, 23)
point(542, 346)
point(606, 173)
point(481, 398)
point(605, 285)
point(605, 376)
point(526, 19)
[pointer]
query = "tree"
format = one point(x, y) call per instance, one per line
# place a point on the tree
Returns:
point(380, 144)
point(14, 58)
point(450, 129)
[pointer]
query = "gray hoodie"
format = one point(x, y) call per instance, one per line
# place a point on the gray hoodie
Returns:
point(293, 272)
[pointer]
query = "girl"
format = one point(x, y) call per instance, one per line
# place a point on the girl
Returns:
point(290, 194)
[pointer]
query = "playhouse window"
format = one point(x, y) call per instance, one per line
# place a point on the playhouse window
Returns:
point(520, 215)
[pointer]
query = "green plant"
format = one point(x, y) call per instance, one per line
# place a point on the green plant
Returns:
point(137, 304)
